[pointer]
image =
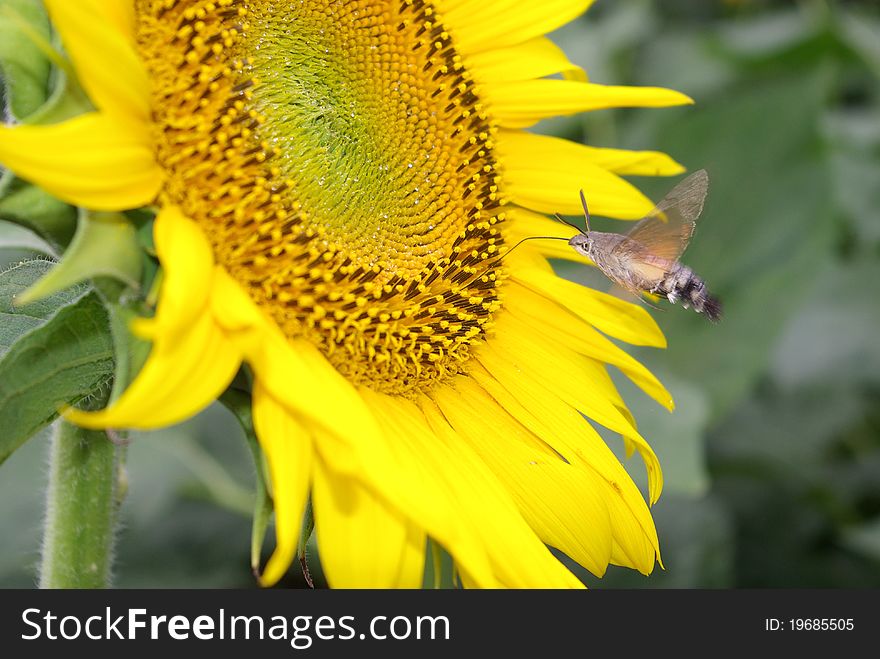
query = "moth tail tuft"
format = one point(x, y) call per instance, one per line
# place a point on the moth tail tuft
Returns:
point(712, 308)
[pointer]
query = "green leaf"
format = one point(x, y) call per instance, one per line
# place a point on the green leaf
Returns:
point(770, 34)
point(31, 207)
point(855, 128)
point(865, 539)
point(306, 534)
point(15, 320)
point(853, 135)
point(19, 244)
point(698, 73)
point(13, 236)
point(855, 177)
point(105, 244)
point(60, 362)
point(23, 63)
point(834, 341)
point(797, 470)
point(859, 31)
point(28, 51)
point(786, 434)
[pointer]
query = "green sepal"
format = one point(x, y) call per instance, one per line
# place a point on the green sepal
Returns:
point(29, 50)
point(440, 571)
point(130, 351)
point(238, 402)
point(302, 547)
point(105, 245)
point(436, 564)
point(24, 64)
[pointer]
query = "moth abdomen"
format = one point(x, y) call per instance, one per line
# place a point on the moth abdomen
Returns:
point(646, 259)
point(682, 283)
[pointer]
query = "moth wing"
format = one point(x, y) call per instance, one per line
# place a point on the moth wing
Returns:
point(649, 269)
point(628, 294)
point(666, 230)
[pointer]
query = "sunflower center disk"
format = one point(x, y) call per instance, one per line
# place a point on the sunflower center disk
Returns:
point(337, 158)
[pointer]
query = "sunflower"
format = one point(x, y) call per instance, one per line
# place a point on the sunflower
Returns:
point(338, 185)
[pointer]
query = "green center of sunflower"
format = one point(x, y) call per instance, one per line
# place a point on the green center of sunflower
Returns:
point(341, 165)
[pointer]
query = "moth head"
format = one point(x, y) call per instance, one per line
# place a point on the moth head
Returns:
point(582, 243)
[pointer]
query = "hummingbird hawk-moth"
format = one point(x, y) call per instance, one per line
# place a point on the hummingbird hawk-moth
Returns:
point(646, 259)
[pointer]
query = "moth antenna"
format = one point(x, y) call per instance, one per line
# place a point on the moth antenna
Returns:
point(533, 238)
point(586, 210)
point(564, 221)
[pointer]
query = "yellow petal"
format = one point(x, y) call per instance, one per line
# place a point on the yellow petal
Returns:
point(633, 163)
point(524, 103)
point(288, 450)
point(550, 189)
point(477, 25)
point(349, 440)
point(520, 560)
point(122, 15)
point(567, 432)
point(363, 543)
point(562, 502)
point(471, 495)
point(92, 160)
point(450, 518)
point(581, 382)
point(546, 173)
point(524, 222)
point(257, 335)
point(188, 274)
point(556, 325)
point(534, 59)
point(181, 377)
point(301, 379)
point(104, 54)
point(613, 316)
point(547, 249)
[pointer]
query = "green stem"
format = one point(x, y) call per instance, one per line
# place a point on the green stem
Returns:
point(81, 506)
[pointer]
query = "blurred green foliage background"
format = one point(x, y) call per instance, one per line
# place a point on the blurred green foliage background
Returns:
point(772, 457)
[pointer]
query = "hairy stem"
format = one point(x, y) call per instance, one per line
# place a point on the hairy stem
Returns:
point(81, 507)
